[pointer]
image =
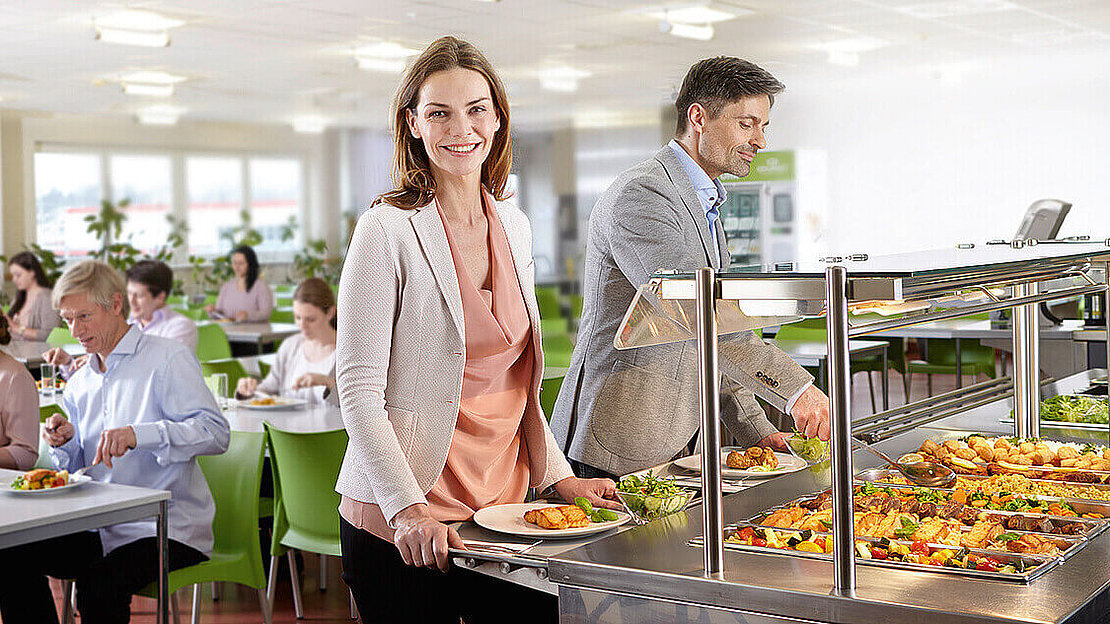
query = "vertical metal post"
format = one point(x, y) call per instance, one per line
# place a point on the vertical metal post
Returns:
point(162, 539)
point(1027, 376)
point(710, 407)
point(840, 421)
point(1106, 322)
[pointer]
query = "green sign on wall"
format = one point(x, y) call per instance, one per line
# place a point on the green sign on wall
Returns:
point(767, 167)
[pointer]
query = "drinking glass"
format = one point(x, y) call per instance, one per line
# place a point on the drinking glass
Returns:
point(48, 373)
point(217, 383)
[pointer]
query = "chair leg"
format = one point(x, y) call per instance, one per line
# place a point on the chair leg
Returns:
point(871, 391)
point(907, 384)
point(215, 591)
point(354, 607)
point(69, 604)
point(323, 573)
point(195, 616)
point(271, 583)
point(298, 608)
point(264, 604)
point(929, 384)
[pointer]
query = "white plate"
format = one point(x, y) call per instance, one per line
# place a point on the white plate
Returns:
point(509, 519)
point(74, 481)
point(787, 463)
point(281, 403)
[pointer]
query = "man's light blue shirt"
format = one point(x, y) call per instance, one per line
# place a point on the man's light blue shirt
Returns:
point(154, 385)
point(711, 193)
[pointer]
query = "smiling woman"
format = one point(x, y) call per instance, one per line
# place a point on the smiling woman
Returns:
point(438, 298)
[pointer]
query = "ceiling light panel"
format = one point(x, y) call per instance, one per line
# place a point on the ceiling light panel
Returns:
point(159, 115)
point(953, 8)
point(138, 20)
point(152, 77)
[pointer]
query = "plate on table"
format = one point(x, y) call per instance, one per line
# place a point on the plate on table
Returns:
point(509, 518)
point(272, 403)
point(74, 482)
point(787, 464)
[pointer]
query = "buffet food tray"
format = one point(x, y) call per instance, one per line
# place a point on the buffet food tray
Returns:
point(1035, 565)
point(1060, 424)
point(1081, 505)
point(1092, 527)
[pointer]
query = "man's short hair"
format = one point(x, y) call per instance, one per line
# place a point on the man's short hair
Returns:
point(719, 81)
point(156, 275)
point(97, 280)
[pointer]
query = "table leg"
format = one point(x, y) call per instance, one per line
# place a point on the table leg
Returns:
point(163, 563)
point(886, 383)
point(959, 366)
point(822, 377)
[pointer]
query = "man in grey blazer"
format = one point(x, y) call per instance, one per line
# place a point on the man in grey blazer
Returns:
point(622, 411)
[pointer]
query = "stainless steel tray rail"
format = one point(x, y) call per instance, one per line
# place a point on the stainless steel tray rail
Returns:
point(920, 275)
point(891, 422)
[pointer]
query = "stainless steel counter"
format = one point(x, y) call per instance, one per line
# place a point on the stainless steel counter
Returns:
point(649, 573)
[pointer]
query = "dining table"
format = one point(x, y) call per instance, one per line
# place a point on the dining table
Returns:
point(43, 515)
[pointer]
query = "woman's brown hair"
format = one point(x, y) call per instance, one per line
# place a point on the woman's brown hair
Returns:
point(5, 332)
point(315, 291)
point(413, 184)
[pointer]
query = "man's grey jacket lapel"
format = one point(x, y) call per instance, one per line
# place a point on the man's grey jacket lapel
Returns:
point(689, 197)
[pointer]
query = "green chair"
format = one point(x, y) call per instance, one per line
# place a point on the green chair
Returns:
point(281, 315)
point(306, 516)
point(172, 300)
point(547, 299)
point(552, 326)
point(283, 301)
point(813, 329)
point(549, 391)
point(212, 343)
point(557, 349)
point(232, 368)
point(45, 411)
point(60, 336)
point(576, 306)
point(939, 358)
point(234, 478)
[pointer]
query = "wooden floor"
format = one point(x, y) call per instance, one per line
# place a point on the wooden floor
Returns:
point(240, 604)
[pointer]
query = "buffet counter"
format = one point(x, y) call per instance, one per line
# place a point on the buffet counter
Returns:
point(652, 574)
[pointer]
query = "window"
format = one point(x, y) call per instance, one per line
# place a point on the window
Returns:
point(275, 199)
point(67, 187)
point(145, 181)
point(215, 198)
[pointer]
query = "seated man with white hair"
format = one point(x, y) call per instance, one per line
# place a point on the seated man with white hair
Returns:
point(139, 414)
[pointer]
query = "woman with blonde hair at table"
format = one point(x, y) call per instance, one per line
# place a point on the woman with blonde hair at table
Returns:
point(438, 356)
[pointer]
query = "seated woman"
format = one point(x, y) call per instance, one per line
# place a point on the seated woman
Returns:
point(245, 297)
point(31, 317)
point(19, 413)
point(149, 282)
point(305, 366)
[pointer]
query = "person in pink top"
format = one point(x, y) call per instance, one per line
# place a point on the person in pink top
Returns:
point(19, 413)
point(149, 282)
point(437, 298)
point(245, 297)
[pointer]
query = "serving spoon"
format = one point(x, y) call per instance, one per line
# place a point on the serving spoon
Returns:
point(924, 473)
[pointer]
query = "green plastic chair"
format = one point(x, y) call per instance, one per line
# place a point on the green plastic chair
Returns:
point(283, 301)
point(813, 329)
point(547, 299)
point(557, 349)
point(234, 478)
point(172, 300)
point(549, 391)
point(45, 411)
point(306, 505)
point(281, 315)
point(576, 306)
point(939, 358)
point(60, 336)
point(196, 314)
point(212, 343)
point(232, 368)
point(552, 326)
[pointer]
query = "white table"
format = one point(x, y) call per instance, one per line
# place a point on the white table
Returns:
point(816, 353)
point(309, 419)
point(28, 518)
point(30, 353)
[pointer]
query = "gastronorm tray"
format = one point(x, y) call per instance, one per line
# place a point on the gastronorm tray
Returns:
point(1082, 505)
point(1042, 564)
point(1059, 424)
point(1092, 527)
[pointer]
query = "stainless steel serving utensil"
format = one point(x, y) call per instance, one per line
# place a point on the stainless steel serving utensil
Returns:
point(925, 473)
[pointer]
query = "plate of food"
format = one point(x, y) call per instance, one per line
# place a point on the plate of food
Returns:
point(272, 403)
point(752, 462)
point(43, 481)
point(548, 521)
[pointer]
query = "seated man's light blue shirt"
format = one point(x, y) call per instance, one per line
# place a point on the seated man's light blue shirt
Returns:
point(154, 385)
point(711, 193)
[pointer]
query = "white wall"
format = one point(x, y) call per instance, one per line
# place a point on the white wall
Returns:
point(914, 162)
